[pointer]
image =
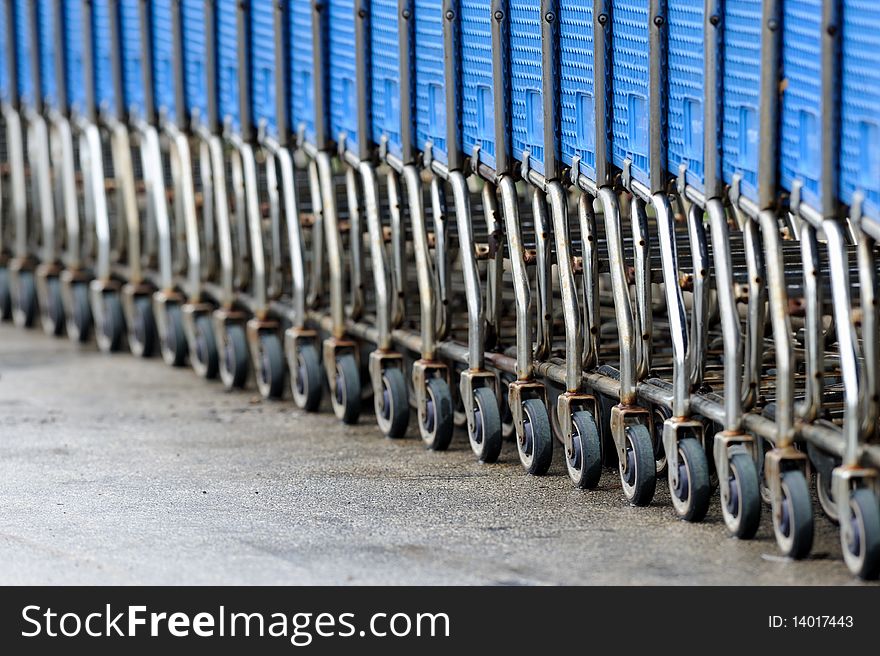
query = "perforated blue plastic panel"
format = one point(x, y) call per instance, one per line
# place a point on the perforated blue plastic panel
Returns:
point(46, 28)
point(23, 51)
point(162, 42)
point(801, 147)
point(74, 75)
point(262, 63)
point(342, 74)
point(526, 98)
point(132, 56)
point(301, 61)
point(227, 63)
point(385, 74)
point(4, 72)
point(577, 99)
point(477, 99)
point(860, 106)
point(430, 79)
point(105, 95)
point(195, 80)
point(742, 83)
point(630, 81)
point(685, 77)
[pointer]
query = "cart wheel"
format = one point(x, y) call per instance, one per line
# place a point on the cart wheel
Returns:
point(392, 406)
point(235, 361)
point(742, 511)
point(826, 496)
point(659, 414)
point(307, 385)
point(437, 422)
point(79, 315)
point(203, 353)
point(142, 334)
point(346, 397)
point(639, 473)
point(793, 521)
point(174, 346)
point(535, 447)
point(861, 549)
point(112, 329)
point(584, 459)
point(485, 435)
point(5, 298)
point(690, 496)
point(24, 300)
point(270, 367)
point(508, 430)
point(53, 311)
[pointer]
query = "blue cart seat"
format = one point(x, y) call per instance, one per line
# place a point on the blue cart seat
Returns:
point(195, 80)
point(227, 64)
point(26, 91)
point(685, 79)
point(301, 60)
point(741, 84)
point(105, 94)
point(526, 83)
point(477, 99)
point(860, 106)
point(132, 51)
point(162, 44)
point(800, 155)
point(631, 87)
point(261, 16)
point(430, 79)
point(342, 61)
point(385, 60)
point(46, 33)
point(577, 111)
point(4, 71)
point(74, 74)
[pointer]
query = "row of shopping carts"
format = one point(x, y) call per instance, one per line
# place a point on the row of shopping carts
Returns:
point(643, 229)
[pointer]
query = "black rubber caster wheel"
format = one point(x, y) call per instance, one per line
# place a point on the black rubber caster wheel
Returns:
point(392, 405)
point(346, 396)
point(639, 473)
point(174, 346)
point(143, 337)
point(826, 495)
point(485, 435)
point(5, 297)
point(584, 459)
point(306, 380)
point(203, 352)
point(659, 414)
point(742, 510)
point(24, 300)
point(52, 311)
point(690, 495)
point(79, 315)
point(536, 445)
point(437, 422)
point(235, 361)
point(793, 521)
point(111, 332)
point(861, 548)
point(270, 368)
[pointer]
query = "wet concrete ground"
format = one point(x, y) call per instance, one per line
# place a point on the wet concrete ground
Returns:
point(119, 471)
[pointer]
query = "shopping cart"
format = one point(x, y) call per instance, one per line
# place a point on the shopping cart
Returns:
point(27, 146)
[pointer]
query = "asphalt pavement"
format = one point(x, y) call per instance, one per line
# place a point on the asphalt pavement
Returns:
point(122, 471)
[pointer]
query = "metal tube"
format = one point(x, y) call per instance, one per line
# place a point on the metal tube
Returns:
point(470, 270)
point(568, 287)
